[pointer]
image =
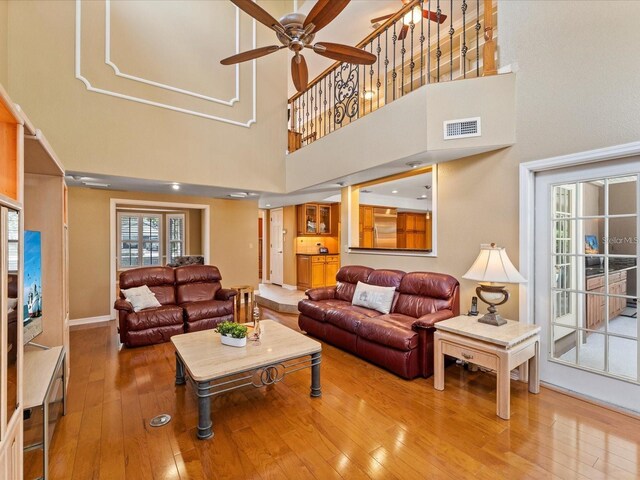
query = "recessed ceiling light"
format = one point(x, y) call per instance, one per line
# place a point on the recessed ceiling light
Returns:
point(252, 194)
point(414, 164)
point(366, 191)
point(268, 205)
point(175, 186)
point(423, 196)
point(238, 195)
point(394, 191)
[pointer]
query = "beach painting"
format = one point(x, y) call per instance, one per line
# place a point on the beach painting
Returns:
point(32, 275)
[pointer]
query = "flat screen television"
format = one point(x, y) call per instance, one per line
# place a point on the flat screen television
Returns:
point(32, 295)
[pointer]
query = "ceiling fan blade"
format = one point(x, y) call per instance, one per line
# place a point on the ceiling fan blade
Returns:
point(250, 55)
point(323, 12)
point(256, 12)
point(433, 16)
point(403, 32)
point(382, 18)
point(344, 53)
point(299, 72)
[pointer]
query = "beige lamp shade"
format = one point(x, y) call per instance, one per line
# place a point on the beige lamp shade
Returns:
point(493, 266)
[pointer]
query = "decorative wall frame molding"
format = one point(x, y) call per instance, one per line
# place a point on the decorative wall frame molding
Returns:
point(91, 88)
point(119, 73)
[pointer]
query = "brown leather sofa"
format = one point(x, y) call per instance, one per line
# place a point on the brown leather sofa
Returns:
point(191, 299)
point(400, 341)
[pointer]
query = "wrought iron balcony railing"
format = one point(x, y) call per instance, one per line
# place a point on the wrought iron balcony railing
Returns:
point(455, 41)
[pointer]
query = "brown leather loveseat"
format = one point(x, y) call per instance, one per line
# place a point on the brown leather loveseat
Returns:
point(191, 299)
point(400, 341)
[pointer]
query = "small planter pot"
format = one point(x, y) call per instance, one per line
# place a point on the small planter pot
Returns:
point(233, 342)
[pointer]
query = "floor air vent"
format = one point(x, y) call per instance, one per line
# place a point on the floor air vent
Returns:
point(463, 128)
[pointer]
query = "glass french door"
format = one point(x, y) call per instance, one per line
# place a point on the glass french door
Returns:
point(586, 280)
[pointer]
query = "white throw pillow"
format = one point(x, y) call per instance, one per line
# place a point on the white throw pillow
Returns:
point(374, 297)
point(141, 298)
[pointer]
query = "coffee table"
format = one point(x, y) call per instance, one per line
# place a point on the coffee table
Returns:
point(214, 368)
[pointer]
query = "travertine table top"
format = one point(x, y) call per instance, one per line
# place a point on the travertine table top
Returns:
point(508, 335)
point(206, 358)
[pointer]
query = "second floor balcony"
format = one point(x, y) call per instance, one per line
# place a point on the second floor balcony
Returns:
point(400, 108)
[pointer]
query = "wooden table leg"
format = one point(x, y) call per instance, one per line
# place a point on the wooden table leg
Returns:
point(503, 393)
point(438, 364)
point(534, 374)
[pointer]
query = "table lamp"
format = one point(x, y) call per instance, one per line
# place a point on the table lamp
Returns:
point(492, 270)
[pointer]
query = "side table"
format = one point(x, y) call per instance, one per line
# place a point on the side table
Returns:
point(244, 292)
point(500, 349)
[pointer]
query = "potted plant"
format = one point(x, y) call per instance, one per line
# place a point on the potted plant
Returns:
point(232, 334)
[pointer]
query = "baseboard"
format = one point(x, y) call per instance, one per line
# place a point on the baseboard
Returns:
point(85, 321)
point(289, 287)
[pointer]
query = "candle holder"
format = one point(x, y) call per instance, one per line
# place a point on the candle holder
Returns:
point(255, 336)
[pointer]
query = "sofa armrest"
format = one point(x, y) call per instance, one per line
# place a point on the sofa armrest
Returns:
point(322, 293)
point(123, 305)
point(225, 294)
point(427, 321)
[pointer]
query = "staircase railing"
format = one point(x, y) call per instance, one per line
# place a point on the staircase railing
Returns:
point(412, 50)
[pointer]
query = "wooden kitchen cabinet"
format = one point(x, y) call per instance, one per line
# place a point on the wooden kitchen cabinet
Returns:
point(595, 304)
point(366, 226)
point(317, 270)
point(414, 231)
point(314, 219)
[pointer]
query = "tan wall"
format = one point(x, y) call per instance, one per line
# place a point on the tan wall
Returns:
point(573, 94)
point(96, 133)
point(233, 244)
point(4, 37)
point(194, 224)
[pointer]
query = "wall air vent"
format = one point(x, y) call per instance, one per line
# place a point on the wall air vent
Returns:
point(462, 128)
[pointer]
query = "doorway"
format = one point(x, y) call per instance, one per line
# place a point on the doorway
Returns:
point(276, 256)
point(585, 278)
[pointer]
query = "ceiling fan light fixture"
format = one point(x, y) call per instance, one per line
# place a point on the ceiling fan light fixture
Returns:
point(413, 16)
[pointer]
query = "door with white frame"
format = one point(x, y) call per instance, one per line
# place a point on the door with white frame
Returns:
point(586, 278)
point(276, 246)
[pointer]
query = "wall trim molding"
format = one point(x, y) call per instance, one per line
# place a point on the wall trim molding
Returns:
point(528, 171)
point(119, 73)
point(91, 88)
point(286, 286)
point(88, 320)
point(113, 254)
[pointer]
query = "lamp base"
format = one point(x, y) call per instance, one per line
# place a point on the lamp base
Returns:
point(492, 319)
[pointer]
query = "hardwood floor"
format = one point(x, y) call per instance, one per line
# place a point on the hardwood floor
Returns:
point(369, 424)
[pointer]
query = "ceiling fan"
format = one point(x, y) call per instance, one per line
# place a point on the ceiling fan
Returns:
point(412, 16)
point(296, 31)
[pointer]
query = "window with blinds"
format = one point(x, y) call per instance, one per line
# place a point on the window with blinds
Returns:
point(139, 239)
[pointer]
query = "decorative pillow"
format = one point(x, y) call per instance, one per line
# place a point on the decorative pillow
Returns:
point(141, 298)
point(374, 297)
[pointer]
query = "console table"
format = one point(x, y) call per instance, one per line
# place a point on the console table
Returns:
point(44, 387)
point(500, 349)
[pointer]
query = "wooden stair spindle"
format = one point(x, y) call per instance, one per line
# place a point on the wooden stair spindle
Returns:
point(489, 51)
